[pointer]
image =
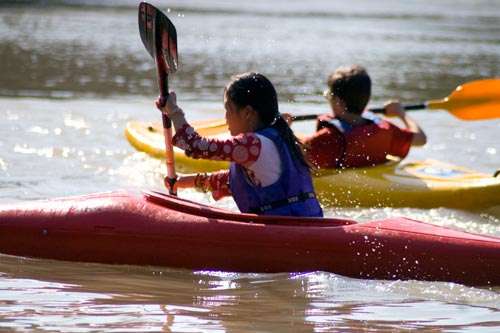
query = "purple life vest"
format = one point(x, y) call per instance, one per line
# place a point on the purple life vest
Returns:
point(291, 195)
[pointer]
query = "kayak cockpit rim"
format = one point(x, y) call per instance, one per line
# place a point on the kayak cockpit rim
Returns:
point(198, 209)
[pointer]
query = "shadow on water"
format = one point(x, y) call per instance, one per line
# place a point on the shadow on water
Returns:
point(94, 296)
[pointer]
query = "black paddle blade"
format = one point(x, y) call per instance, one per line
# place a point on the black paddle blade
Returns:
point(159, 37)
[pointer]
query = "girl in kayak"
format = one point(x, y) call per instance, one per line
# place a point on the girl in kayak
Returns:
point(268, 173)
point(352, 136)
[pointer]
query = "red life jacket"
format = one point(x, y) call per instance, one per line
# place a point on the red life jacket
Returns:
point(334, 147)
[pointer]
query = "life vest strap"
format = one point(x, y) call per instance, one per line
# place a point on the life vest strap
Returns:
point(283, 202)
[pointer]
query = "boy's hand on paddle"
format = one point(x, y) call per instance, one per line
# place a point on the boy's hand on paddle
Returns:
point(394, 109)
point(288, 118)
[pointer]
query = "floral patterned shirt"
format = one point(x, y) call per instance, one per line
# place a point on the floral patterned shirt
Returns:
point(255, 152)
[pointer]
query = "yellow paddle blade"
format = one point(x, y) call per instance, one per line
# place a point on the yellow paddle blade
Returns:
point(474, 100)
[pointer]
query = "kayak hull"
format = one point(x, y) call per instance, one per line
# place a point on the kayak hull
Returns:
point(160, 230)
point(423, 184)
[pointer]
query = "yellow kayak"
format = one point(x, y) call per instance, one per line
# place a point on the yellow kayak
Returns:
point(424, 184)
point(149, 138)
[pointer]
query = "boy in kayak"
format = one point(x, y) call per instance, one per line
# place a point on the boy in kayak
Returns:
point(268, 172)
point(352, 136)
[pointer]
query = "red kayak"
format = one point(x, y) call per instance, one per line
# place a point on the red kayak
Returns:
point(152, 228)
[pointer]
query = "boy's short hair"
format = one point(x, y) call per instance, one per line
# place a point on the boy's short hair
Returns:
point(352, 85)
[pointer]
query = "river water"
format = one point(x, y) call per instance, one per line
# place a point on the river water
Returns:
point(74, 72)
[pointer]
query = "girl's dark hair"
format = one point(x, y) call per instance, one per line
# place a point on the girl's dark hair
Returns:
point(353, 86)
point(256, 90)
